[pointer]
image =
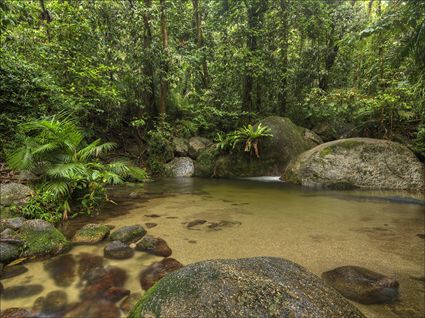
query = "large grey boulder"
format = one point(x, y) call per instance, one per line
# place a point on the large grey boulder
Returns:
point(358, 163)
point(180, 167)
point(197, 145)
point(14, 193)
point(181, 147)
point(288, 141)
point(251, 287)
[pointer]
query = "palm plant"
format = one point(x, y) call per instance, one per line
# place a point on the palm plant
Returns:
point(70, 170)
point(250, 137)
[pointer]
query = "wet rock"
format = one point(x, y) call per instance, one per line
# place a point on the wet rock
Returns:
point(55, 302)
point(88, 262)
point(14, 193)
point(358, 163)
point(62, 269)
point(8, 252)
point(115, 294)
point(422, 236)
point(129, 302)
point(12, 271)
point(14, 223)
point(362, 285)
point(37, 307)
point(128, 234)
point(180, 167)
point(93, 309)
point(42, 239)
point(252, 287)
point(152, 215)
point(150, 225)
point(152, 274)
point(15, 313)
point(195, 222)
point(91, 234)
point(20, 291)
point(222, 224)
point(154, 245)
point(117, 250)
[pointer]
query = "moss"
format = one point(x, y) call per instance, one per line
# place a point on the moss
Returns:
point(348, 144)
point(92, 232)
point(325, 152)
point(41, 243)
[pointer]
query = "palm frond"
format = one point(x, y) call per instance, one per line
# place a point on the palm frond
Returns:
point(58, 189)
point(70, 170)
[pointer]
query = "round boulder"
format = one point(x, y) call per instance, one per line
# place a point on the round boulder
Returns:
point(180, 167)
point(196, 145)
point(91, 234)
point(118, 250)
point(154, 245)
point(14, 193)
point(128, 234)
point(358, 163)
point(181, 147)
point(252, 287)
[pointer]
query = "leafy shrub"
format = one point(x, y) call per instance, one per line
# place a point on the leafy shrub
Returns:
point(72, 176)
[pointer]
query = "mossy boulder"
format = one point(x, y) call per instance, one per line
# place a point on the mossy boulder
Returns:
point(181, 147)
point(197, 145)
point(91, 234)
point(252, 287)
point(14, 193)
point(8, 252)
point(358, 163)
point(205, 163)
point(42, 239)
point(153, 245)
point(287, 142)
point(128, 234)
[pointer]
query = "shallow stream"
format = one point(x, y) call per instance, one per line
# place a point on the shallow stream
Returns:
point(320, 230)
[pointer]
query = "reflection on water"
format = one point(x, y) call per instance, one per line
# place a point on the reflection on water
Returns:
point(320, 230)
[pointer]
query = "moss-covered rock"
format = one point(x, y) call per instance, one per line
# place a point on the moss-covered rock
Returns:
point(91, 234)
point(8, 252)
point(252, 287)
point(42, 239)
point(154, 245)
point(14, 193)
point(358, 163)
point(205, 163)
point(287, 142)
point(128, 234)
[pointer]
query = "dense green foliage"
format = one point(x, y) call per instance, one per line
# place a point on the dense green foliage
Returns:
point(72, 178)
point(138, 72)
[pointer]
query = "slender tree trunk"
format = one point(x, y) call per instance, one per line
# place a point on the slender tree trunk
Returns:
point(148, 69)
point(164, 71)
point(200, 41)
point(45, 16)
point(283, 92)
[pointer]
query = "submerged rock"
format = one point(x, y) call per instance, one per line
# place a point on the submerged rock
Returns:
point(253, 287)
point(362, 285)
point(88, 262)
point(93, 309)
point(118, 250)
point(195, 223)
point(152, 274)
point(8, 252)
point(115, 294)
point(154, 245)
point(129, 302)
point(358, 163)
point(150, 225)
point(14, 193)
point(20, 291)
point(15, 313)
point(91, 234)
point(12, 271)
point(42, 239)
point(128, 234)
point(180, 167)
point(54, 303)
point(62, 269)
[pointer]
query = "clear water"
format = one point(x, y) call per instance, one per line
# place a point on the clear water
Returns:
point(320, 230)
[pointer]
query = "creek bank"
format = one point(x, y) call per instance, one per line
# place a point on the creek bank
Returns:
point(358, 163)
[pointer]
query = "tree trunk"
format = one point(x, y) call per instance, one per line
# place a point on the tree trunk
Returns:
point(200, 41)
point(282, 97)
point(148, 69)
point(164, 70)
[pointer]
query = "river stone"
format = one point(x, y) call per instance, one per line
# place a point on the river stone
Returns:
point(358, 163)
point(15, 313)
point(42, 239)
point(115, 294)
point(62, 269)
point(129, 302)
point(117, 250)
point(99, 281)
point(180, 167)
point(20, 291)
point(8, 252)
point(153, 273)
point(154, 245)
point(251, 287)
point(196, 145)
point(93, 309)
point(128, 234)
point(181, 147)
point(55, 302)
point(275, 152)
point(14, 193)
point(88, 262)
point(362, 285)
point(13, 271)
point(91, 234)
